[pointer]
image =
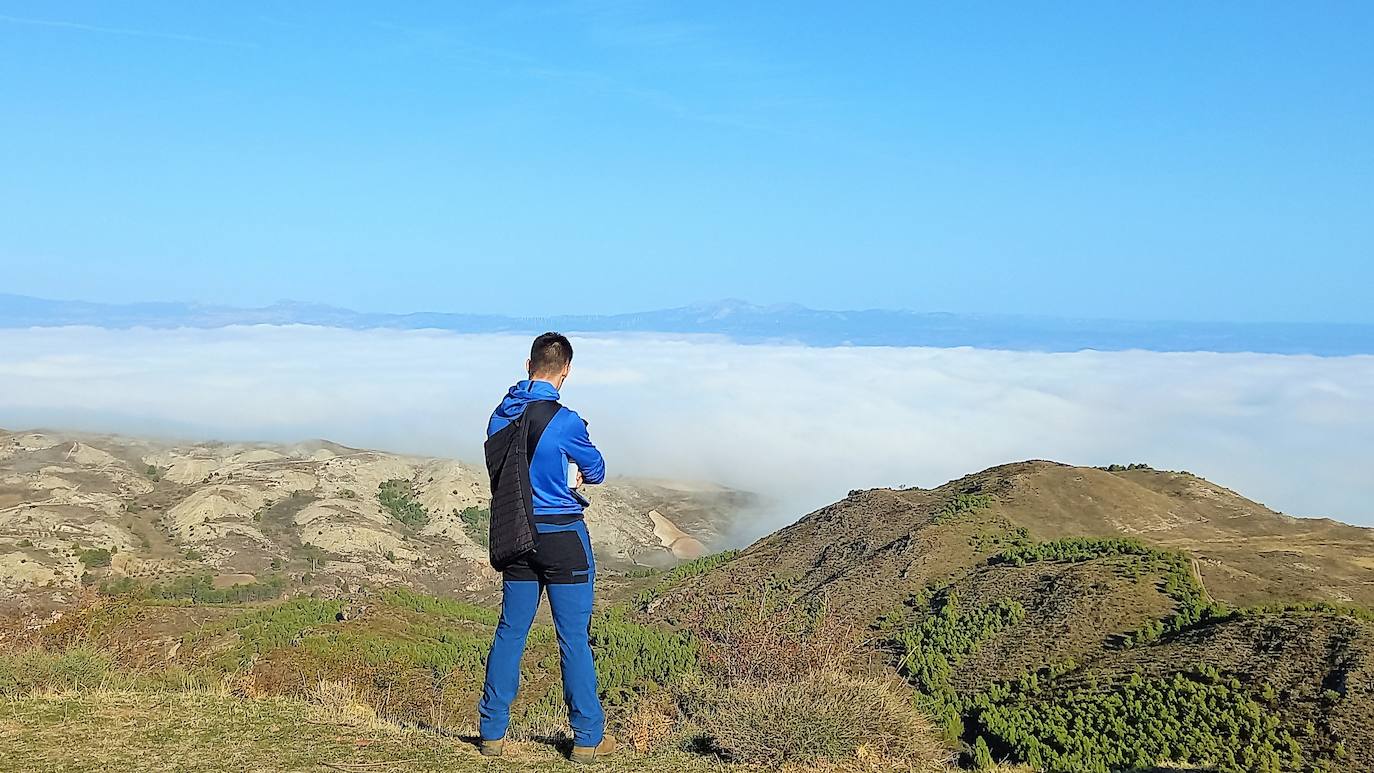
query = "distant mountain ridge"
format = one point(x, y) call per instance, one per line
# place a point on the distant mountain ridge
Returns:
point(746, 323)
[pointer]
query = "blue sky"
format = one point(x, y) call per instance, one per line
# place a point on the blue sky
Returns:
point(1137, 160)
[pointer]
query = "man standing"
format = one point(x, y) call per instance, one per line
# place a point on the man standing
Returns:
point(561, 564)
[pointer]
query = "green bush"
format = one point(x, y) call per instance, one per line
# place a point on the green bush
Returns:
point(477, 524)
point(694, 568)
point(453, 609)
point(95, 557)
point(962, 504)
point(632, 659)
point(439, 650)
point(197, 589)
point(982, 755)
point(398, 497)
point(264, 629)
point(1196, 719)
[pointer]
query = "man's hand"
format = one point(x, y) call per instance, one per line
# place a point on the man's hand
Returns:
point(577, 481)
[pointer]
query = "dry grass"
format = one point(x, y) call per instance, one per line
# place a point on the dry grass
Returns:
point(338, 701)
point(98, 731)
point(771, 641)
point(774, 675)
point(777, 690)
point(829, 717)
point(652, 723)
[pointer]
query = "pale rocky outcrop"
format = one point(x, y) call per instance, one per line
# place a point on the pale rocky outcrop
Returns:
point(360, 541)
point(448, 486)
point(63, 526)
point(361, 473)
point(35, 442)
point(682, 544)
point(20, 572)
point(340, 511)
point(244, 506)
point(254, 456)
point(189, 470)
point(216, 512)
point(91, 456)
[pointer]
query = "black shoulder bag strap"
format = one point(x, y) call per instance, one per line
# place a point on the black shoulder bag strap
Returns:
point(536, 419)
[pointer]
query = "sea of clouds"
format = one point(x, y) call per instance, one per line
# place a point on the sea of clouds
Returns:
point(799, 425)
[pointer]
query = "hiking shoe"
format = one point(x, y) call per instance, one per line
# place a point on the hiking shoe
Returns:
point(587, 755)
point(493, 748)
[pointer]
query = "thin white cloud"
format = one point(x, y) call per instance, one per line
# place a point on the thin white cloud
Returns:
point(141, 33)
point(800, 425)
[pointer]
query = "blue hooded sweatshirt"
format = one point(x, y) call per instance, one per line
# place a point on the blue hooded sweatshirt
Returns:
point(564, 440)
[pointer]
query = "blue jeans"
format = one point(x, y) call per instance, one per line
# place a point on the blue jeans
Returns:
point(562, 566)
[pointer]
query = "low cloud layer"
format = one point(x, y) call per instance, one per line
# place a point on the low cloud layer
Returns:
point(799, 425)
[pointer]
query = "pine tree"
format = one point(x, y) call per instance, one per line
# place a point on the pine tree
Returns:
point(982, 755)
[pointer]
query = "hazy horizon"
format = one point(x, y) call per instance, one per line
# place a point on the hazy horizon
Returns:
point(798, 425)
point(744, 322)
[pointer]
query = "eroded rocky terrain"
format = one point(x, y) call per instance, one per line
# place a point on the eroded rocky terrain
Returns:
point(85, 509)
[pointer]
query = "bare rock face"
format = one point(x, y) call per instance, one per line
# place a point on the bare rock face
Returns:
point(96, 509)
point(682, 544)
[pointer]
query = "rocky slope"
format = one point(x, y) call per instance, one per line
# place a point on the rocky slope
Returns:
point(104, 508)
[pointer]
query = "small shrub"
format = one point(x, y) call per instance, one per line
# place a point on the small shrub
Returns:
point(651, 723)
point(544, 720)
point(338, 702)
point(772, 641)
point(982, 755)
point(95, 557)
point(830, 717)
point(313, 553)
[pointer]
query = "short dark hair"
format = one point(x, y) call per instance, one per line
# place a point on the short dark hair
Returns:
point(550, 353)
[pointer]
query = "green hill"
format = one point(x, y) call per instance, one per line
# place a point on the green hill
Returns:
point(1087, 619)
